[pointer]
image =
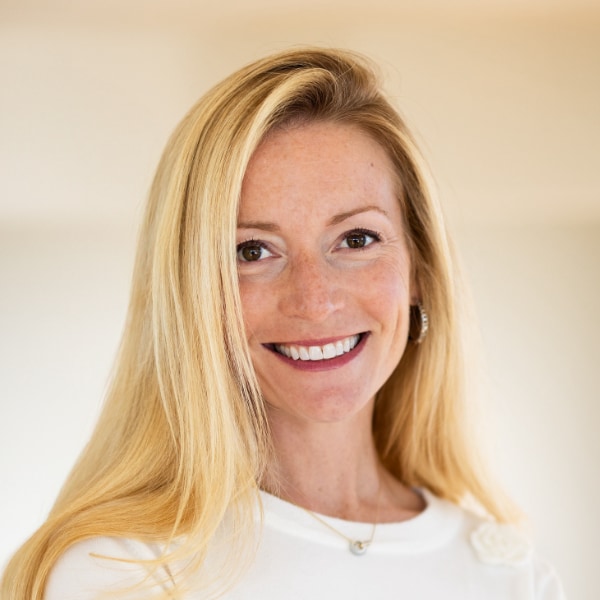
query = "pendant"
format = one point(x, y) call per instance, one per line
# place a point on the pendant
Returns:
point(358, 548)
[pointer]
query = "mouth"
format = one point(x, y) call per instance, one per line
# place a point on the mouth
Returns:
point(318, 353)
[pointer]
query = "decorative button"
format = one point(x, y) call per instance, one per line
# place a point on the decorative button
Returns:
point(500, 544)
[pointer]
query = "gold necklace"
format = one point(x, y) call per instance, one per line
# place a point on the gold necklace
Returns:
point(357, 547)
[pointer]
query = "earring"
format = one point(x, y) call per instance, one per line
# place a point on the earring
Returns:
point(419, 323)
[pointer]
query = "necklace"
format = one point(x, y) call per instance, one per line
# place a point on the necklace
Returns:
point(357, 547)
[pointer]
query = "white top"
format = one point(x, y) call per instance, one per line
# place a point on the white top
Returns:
point(444, 553)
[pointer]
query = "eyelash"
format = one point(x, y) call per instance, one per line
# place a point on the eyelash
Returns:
point(252, 242)
point(368, 232)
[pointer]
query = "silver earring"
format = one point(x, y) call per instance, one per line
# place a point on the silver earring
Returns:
point(419, 323)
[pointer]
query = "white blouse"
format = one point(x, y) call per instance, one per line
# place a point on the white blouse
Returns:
point(444, 553)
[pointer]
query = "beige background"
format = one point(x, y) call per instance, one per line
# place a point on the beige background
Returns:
point(504, 96)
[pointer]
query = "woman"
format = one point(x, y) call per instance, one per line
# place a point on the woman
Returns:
point(287, 416)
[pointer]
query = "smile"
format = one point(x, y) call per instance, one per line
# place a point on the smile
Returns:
point(318, 353)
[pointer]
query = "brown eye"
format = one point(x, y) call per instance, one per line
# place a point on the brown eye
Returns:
point(358, 239)
point(252, 252)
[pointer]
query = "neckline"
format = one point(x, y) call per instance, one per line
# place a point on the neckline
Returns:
point(432, 527)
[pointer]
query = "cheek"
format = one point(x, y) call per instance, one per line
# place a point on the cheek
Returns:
point(388, 301)
point(253, 306)
point(387, 292)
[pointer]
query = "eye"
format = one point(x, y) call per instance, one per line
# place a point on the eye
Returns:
point(252, 251)
point(359, 238)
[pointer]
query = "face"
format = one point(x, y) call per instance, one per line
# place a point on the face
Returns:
point(324, 271)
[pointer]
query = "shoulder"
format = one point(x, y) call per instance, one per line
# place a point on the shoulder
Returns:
point(501, 554)
point(104, 564)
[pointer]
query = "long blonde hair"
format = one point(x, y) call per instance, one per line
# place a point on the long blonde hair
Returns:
point(183, 438)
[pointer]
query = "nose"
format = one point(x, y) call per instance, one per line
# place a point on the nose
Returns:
point(311, 291)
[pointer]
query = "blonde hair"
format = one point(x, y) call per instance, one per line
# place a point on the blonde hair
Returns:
point(183, 438)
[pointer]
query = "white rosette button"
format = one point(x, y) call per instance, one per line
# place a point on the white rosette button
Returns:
point(500, 544)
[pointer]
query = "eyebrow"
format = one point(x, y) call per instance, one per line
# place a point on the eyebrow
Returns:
point(346, 215)
point(258, 225)
point(266, 226)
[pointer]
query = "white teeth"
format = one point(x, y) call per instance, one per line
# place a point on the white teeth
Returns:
point(315, 353)
point(329, 351)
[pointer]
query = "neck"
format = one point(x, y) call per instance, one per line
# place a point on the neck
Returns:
point(334, 469)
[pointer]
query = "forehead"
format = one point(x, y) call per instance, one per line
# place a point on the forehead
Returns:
point(319, 164)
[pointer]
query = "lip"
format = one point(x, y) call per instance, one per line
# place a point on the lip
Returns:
point(321, 365)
